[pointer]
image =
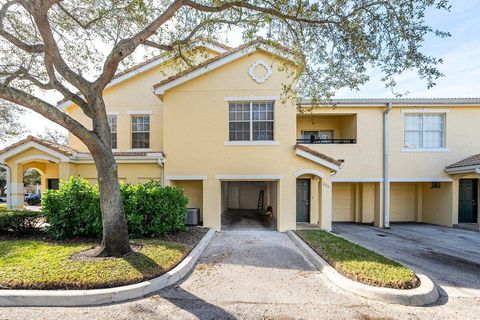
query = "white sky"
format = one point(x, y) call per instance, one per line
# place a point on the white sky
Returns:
point(461, 55)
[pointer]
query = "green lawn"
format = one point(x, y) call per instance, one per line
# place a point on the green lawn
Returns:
point(47, 265)
point(359, 263)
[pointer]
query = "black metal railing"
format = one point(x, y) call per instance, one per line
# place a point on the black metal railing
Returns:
point(327, 141)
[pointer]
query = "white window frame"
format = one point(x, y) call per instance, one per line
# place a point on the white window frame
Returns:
point(113, 116)
point(251, 121)
point(423, 131)
point(132, 132)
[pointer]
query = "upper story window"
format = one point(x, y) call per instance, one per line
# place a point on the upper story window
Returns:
point(140, 131)
point(251, 121)
point(112, 122)
point(425, 131)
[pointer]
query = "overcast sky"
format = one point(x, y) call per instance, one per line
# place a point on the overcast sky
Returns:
point(460, 52)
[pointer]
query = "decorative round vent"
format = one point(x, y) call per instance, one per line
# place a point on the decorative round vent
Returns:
point(260, 71)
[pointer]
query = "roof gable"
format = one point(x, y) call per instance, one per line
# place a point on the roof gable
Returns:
point(220, 61)
point(59, 151)
point(152, 63)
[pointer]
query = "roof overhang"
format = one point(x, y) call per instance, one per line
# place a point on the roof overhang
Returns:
point(62, 105)
point(466, 169)
point(396, 102)
point(59, 157)
point(216, 63)
point(318, 160)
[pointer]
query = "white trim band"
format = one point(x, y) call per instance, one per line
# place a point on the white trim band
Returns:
point(251, 143)
point(183, 178)
point(139, 112)
point(249, 177)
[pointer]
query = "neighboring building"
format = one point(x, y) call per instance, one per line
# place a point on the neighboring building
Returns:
point(221, 132)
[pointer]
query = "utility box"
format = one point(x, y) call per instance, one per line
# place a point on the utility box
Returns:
point(193, 217)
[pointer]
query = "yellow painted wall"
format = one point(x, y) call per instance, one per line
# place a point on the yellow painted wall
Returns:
point(437, 204)
point(196, 129)
point(343, 126)
point(462, 141)
point(363, 159)
point(193, 190)
point(135, 94)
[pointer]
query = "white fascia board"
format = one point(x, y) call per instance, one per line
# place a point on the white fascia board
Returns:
point(420, 179)
point(32, 144)
point(218, 63)
point(316, 159)
point(248, 177)
point(465, 169)
point(37, 157)
point(185, 178)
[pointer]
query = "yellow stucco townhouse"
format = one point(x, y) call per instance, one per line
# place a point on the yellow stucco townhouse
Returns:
point(221, 132)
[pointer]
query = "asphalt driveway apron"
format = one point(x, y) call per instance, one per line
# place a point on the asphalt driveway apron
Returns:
point(450, 257)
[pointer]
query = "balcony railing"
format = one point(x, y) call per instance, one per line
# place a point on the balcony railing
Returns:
point(327, 141)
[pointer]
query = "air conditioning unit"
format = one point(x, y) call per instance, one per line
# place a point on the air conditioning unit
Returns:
point(193, 217)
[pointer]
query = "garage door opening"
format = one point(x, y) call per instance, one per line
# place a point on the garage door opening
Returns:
point(249, 205)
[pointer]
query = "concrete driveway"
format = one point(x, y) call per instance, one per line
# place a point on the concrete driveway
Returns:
point(254, 275)
point(450, 257)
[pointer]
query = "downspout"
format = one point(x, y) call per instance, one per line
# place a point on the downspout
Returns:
point(161, 163)
point(386, 180)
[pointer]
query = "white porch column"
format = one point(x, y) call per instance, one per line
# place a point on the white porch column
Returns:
point(326, 205)
point(8, 185)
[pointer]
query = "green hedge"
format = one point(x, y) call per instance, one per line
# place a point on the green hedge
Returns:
point(20, 222)
point(150, 209)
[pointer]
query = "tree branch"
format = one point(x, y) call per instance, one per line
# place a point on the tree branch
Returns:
point(48, 111)
point(30, 48)
point(125, 47)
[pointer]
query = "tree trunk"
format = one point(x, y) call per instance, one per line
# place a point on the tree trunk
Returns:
point(115, 241)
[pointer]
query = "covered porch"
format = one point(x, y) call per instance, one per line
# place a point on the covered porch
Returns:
point(49, 159)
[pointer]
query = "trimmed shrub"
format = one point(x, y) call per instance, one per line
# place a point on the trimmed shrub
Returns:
point(73, 210)
point(150, 209)
point(20, 222)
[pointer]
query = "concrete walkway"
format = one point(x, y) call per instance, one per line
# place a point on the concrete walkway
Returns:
point(450, 257)
point(254, 275)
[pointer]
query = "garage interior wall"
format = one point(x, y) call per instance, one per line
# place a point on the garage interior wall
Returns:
point(406, 202)
point(437, 204)
point(248, 192)
point(193, 190)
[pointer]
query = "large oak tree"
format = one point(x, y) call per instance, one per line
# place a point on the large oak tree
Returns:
point(75, 47)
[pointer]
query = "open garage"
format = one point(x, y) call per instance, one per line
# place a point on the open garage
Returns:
point(249, 205)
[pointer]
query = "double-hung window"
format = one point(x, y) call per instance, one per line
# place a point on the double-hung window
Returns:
point(251, 121)
point(140, 132)
point(425, 131)
point(112, 122)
